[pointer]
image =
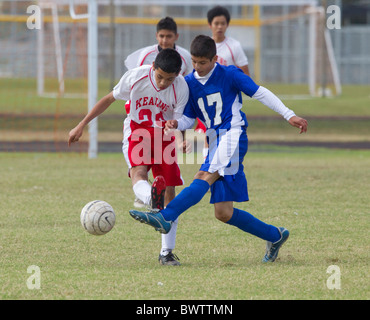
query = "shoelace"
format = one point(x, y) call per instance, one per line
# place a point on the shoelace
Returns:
point(269, 249)
point(171, 257)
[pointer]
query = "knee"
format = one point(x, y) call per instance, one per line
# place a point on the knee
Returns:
point(223, 215)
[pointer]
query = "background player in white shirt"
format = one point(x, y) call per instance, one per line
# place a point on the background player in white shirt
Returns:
point(166, 36)
point(229, 50)
point(157, 93)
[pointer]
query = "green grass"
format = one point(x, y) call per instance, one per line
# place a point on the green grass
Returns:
point(19, 96)
point(320, 195)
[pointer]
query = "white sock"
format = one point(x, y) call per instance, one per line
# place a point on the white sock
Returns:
point(142, 190)
point(169, 239)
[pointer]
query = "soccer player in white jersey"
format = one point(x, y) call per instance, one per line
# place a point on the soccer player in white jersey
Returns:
point(215, 97)
point(166, 35)
point(229, 50)
point(157, 93)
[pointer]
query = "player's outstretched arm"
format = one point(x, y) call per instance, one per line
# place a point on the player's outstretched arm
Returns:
point(298, 122)
point(76, 133)
point(269, 99)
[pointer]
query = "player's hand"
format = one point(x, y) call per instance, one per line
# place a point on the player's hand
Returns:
point(170, 125)
point(299, 123)
point(75, 134)
point(185, 146)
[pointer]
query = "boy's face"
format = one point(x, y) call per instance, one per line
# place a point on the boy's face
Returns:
point(163, 79)
point(166, 38)
point(203, 65)
point(218, 26)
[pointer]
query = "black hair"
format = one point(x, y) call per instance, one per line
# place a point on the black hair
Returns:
point(169, 60)
point(216, 12)
point(203, 46)
point(167, 24)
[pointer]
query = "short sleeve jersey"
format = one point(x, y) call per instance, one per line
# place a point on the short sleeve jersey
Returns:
point(230, 52)
point(151, 106)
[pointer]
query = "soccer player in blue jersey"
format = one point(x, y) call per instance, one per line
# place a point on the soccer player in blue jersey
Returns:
point(215, 98)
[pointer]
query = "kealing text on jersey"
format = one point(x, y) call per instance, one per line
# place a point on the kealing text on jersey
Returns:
point(186, 309)
point(153, 101)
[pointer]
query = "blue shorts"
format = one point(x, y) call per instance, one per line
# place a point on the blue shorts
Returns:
point(226, 154)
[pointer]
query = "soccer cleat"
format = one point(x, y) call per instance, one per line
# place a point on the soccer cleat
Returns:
point(154, 219)
point(272, 249)
point(138, 203)
point(170, 259)
point(157, 193)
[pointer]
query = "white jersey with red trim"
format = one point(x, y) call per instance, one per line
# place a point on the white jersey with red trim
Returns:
point(147, 55)
point(150, 106)
point(230, 52)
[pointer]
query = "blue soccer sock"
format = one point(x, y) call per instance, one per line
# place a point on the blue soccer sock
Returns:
point(187, 198)
point(248, 223)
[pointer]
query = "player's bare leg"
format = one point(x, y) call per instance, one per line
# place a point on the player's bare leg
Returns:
point(224, 210)
point(138, 173)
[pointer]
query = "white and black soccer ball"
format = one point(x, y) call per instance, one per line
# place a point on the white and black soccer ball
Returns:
point(98, 217)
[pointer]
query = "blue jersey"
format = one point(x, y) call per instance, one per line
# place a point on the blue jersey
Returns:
point(218, 102)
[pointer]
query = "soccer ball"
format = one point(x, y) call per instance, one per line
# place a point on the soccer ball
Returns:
point(98, 217)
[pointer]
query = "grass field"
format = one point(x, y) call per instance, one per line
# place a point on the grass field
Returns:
point(320, 195)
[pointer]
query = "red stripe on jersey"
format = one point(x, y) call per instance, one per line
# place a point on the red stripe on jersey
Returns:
point(138, 81)
point(232, 56)
point(174, 92)
point(184, 63)
point(142, 62)
point(150, 77)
